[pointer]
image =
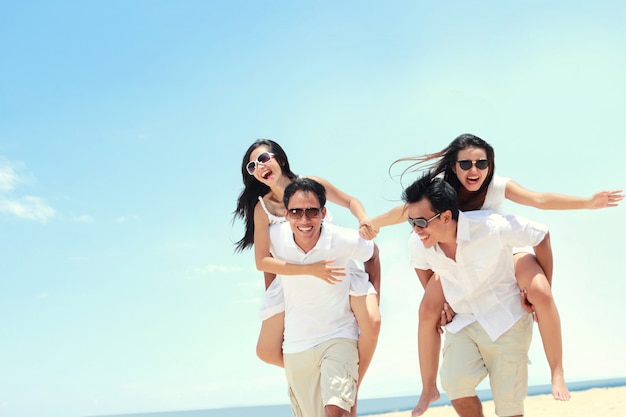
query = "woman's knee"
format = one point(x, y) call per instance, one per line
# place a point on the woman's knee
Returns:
point(373, 324)
point(430, 313)
point(540, 292)
point(367, 313)
point(269, 353)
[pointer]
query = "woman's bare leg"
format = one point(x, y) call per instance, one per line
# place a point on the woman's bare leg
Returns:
point(429, 343)
point(531, 277)
point(365, 309)
point(269, 347)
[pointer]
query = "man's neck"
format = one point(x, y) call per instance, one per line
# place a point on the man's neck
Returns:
point(448, 244)
point(307, 246)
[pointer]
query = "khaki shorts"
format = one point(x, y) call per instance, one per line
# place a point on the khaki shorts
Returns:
point(470, 355)
point(324, 375)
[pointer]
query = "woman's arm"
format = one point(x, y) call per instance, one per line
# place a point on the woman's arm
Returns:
point(266, 263)
point(396, 215)
point(553, 201)
point(342, 199)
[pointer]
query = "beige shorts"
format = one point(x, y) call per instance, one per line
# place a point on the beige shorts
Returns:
point(324, 375)
point(470, 355)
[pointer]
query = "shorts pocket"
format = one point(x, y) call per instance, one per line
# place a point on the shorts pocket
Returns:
point(295, 407)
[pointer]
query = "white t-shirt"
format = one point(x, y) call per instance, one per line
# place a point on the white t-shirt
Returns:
point(495, 194)
point(480, 285)
point(316, 311)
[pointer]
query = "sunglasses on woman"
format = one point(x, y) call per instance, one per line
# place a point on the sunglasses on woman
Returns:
point(263, 158)
point(466, 164)
point(297, 213)
point(421, 222)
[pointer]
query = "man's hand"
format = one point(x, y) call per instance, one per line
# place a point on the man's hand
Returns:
point(528, 306)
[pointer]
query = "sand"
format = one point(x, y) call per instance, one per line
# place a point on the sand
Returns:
point(595, 402)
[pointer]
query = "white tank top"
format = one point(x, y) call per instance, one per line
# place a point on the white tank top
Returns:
point(274, 219)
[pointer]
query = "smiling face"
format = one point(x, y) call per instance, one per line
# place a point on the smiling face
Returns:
point(306, 230)
point(435, 231)
point(267, 172)
point(474, 178)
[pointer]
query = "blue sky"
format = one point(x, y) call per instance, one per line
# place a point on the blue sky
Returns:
point(122, 128)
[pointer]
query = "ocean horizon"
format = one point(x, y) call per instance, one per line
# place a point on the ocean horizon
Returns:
point(367, 406)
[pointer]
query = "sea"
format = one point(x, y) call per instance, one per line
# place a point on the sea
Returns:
point(366, 406)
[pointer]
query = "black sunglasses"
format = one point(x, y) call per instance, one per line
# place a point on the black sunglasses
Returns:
point(421, 222)
point(466, 164)
point(263, 158)
point(297, 213)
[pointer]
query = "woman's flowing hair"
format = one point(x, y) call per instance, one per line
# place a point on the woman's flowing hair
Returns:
point(253, 189)
point(442, 162)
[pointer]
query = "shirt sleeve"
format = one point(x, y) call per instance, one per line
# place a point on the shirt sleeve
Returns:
point(364, 249)
point(417, 253)
point(524, 232)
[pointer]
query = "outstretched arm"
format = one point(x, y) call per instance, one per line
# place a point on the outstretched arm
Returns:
point(266, 263)
point(553, 201)
point(396, 215)
point(355, 206)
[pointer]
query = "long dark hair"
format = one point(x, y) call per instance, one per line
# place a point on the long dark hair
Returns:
point(253, 189)
point(442, 162)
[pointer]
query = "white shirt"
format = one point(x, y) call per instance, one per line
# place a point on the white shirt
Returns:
point(316, 311)
point(480, 285)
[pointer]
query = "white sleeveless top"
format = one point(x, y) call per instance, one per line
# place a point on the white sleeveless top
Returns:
point(495, 194)
point(274, 219)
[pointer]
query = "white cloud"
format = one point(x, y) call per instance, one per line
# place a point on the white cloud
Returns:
point(128, 218)
point(25, 207)
point(8, 176)
point(29, 207)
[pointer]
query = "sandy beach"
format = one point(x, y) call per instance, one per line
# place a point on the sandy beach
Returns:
point(595, 402)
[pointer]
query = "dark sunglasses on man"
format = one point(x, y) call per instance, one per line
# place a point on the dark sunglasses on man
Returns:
point(297, 213)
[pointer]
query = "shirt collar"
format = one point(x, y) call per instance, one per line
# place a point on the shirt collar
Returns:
point(323, 242)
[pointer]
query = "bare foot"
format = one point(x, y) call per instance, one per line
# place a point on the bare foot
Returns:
point(559, 388)
point(426, 398)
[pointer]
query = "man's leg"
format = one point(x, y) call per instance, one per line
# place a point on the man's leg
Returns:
point(334, 411)
point(339, 369)
point(468, 407)
point(507, 361)
point(303, 378)
point(462, 370)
